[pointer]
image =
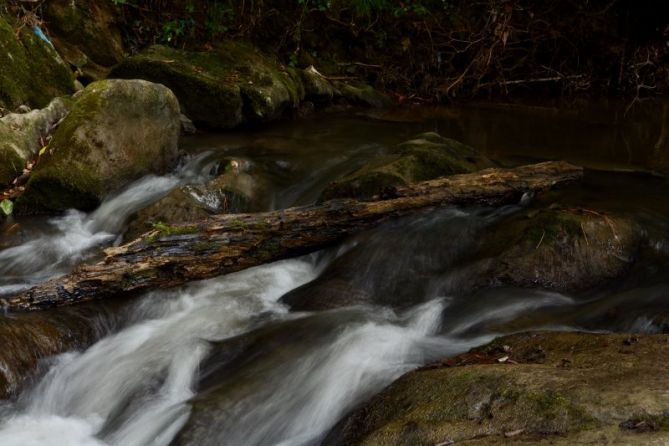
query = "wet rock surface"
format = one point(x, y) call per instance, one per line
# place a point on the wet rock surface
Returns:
point(536, 388)
point(29, 338)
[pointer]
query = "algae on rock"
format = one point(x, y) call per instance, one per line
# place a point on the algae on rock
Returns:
point(116, 132)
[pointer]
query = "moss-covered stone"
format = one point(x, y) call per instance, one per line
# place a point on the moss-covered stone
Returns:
point(586, 389)
point(20, 135)
point(423, 158)
point(32, 72)
point(117, 131)
point(554, 248)
point(223, 88)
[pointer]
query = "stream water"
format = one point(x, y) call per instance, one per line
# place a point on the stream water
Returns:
point(226, 362)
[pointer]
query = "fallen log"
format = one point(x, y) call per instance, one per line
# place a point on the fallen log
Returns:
point(173, 255)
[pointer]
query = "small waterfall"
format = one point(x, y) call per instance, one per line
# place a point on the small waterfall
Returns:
point(72, 237)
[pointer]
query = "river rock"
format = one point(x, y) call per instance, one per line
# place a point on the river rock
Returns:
point(223, 88)
point(539, 388)
point(32, 71)
point(561, 249)
point(116, 132)
point(86, 34)
point(425, 157)
point(21, 135)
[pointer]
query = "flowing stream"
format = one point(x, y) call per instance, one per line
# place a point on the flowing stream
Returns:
point(226, 362)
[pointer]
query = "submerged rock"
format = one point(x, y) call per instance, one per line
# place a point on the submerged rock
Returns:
point(32, 72)
point(223, 88)
point(425, 157)
point(239, 188)
point(558, 249)
point(116, 132)
point(541, 388)
point(22, 136)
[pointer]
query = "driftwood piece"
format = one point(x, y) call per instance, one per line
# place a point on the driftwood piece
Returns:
point(174, 255)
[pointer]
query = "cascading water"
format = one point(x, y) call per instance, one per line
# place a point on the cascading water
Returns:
point(224, 361)
point(72, 237)
point(229, 346)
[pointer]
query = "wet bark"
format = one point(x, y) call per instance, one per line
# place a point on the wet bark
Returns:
point(174, 255)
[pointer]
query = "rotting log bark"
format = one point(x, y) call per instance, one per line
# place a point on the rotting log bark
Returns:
point(174, 255)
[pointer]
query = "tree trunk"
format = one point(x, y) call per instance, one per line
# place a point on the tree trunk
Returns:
point(174, 255)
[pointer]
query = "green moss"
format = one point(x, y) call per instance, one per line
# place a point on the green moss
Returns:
point(237, 225)
point(165, 230)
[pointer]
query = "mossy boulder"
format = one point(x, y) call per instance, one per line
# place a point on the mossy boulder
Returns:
point(86, 34)
point(561, 249)
point(425, 157)
point(539, 388)
point(116, 132)
point(21, 135)
point(32, 71)
point(230, 85)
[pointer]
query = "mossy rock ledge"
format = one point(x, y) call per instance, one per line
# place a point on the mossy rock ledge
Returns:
point(223, 88)
point(526, 389)
point(117, 131)
point(425, 157)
